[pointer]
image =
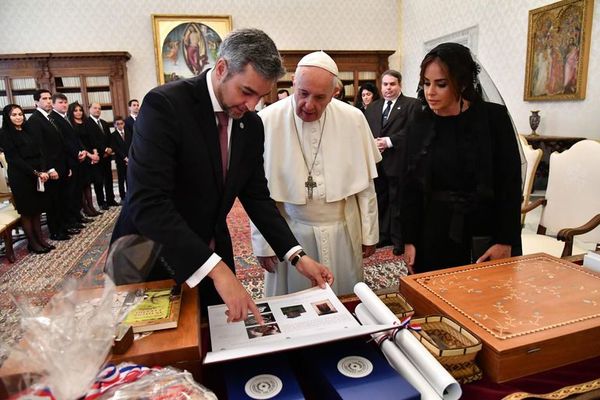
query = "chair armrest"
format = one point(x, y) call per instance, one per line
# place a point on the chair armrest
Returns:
point(568, 233)
point(533, 205)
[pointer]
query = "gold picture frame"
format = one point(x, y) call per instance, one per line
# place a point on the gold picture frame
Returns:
point(186, 45)
point(558, 48)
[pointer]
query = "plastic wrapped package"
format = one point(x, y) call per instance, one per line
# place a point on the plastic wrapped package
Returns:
point(161, 384)
point(65, 344)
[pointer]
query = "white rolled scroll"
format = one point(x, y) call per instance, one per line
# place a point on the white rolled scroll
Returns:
point(440, 380)
point(397, 359)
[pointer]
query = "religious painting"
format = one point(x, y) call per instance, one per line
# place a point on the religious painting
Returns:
point(558, 47)
point(185, 45)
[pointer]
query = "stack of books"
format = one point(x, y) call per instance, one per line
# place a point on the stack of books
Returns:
point(159, 309)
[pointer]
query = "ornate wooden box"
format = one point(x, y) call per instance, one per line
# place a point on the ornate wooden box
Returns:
point(532, 313)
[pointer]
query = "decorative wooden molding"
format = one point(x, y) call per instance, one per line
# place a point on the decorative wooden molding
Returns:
point(45, 67)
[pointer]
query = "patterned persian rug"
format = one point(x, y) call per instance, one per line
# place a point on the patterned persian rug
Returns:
point(382, 269)
point(37, 277)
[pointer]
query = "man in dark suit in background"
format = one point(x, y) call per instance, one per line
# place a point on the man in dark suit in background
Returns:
point(120, 146)
point(103, 181)
point(134, 107)
point(41, 124)
point(70, 195)
point(185, 170)
point(388, 117)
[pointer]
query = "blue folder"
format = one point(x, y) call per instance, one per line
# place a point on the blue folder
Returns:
point(322, 378)
point(238, 373)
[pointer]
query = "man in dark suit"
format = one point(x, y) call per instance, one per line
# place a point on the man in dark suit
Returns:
point(103, 180)
point(41, 124)
point(388, 119)
point(134, 108)
point(185, 170)
point(70, 195)
point(120, 146)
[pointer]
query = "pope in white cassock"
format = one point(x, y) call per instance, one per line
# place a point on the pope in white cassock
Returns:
point(320, 161)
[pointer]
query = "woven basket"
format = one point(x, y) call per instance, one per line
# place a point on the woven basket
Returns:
point(397, 304)
point(451, 344)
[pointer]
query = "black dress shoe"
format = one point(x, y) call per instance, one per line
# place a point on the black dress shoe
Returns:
point(49, 246)
point(114, 203)
point(104, 207)
point(43, 250)
point(73, 231)
point(76, 225)
point(85, 220)
point(59, 236)
point(383, 243)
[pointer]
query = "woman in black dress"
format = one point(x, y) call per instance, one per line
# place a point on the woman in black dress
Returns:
point(367, 93)
point(25, 168)
point(461, 201)
point(77, 117)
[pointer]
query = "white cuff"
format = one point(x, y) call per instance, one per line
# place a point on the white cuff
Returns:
point(388, 141)
point(291, 252)
point(204, 270)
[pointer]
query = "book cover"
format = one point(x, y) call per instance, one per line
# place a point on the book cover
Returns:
point(353, 370)
point(265, 377)
point(158, 310)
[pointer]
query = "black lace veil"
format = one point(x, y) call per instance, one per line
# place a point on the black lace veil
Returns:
point(490, 93)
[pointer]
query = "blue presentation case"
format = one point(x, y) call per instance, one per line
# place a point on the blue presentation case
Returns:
point(322, 378)
point(238, 372)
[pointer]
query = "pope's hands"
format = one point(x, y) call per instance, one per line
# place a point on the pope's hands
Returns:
point(234, 295)
point(318, 274)
point(268, 262)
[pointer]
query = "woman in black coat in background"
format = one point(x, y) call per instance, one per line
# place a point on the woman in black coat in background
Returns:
point(77, 117)
point(367, 93)
point(461, 202)
point(25, 168)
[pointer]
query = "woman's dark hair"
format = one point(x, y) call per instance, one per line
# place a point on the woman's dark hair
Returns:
point(72, 108)
point(6, 122)
point(366, 86)
point(462, 70)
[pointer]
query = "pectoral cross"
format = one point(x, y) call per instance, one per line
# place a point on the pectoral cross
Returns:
point(310, 184)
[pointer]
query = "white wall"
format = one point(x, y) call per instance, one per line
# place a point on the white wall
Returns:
point(85, 25)
point(113, 25)
point(502, 49)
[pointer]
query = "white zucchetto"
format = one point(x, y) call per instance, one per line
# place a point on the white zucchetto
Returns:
point(319, 59)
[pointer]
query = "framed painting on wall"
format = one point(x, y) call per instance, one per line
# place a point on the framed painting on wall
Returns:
point(558, 47)
point(186, 45)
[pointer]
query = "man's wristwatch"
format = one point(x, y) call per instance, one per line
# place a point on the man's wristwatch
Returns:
point(297, 257)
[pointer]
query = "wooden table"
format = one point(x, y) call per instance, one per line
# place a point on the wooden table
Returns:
point(179, 347)
point(532, 313)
